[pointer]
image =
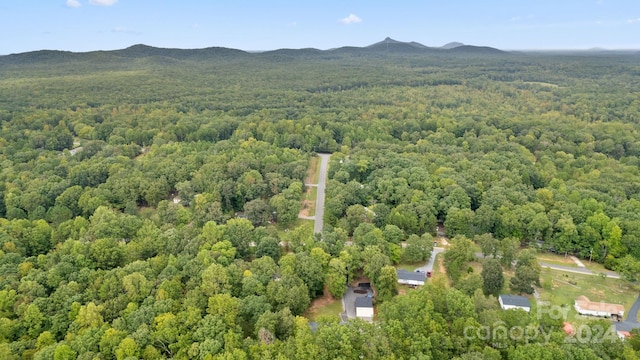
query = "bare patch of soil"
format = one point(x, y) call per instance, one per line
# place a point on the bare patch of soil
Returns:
point(318, 303)
point(312, 171)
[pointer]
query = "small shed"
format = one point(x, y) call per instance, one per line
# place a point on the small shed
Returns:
point(508, 302)
point(364, 308)
point(411, 278)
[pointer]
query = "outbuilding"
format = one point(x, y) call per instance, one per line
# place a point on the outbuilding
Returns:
point(364, 308)
point(508, 302)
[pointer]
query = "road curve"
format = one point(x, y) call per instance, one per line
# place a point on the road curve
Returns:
point(429, 265)
point(322, 184)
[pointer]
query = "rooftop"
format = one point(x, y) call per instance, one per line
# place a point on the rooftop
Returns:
point(584, 303)
point(407, 275)
point(515, 300)
point(364, 302)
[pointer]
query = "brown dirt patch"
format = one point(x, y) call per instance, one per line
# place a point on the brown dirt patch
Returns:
point(556, 259)
point(441, 266)
point(317, 303)
point(307, 205)
point(313, 166)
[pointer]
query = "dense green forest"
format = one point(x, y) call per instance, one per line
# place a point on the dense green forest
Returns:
point(123, 174)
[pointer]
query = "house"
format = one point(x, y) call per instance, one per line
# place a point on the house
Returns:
point(568, 328)
point(584, 306)
point(623, 335)
point(364, 308)
point(410, 278)
point(508, 302)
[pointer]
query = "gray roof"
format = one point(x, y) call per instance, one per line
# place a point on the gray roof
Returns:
point(364, 302)
point(408, 275)
point(515, 300)
point(314, 326)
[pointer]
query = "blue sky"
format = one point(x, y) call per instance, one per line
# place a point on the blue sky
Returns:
point(85, 25)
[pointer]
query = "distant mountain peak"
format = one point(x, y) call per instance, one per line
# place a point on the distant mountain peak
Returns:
point(389, 41)
point(452, 45)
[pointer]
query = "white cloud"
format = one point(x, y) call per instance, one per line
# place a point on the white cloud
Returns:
point(351, 19)
point(73, 3)
point(103, 2)
point(631, 21)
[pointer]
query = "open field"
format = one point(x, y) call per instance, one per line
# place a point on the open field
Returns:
point(556, 259)
point(562, 288)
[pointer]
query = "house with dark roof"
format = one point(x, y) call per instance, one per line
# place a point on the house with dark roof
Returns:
point(364, 308)
point(411, 278)
point(508, 302)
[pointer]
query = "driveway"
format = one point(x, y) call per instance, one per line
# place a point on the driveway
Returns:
point(429, 265)
point(349, 301)
point(631, 322)
point(322, 184)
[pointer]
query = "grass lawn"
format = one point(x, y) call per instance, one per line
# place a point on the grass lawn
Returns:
point(476, 266)
point(438, 267)
point(408, 266)
point(283, 233)
point(309, 198)
point(439, 274)
point(404, 289)
point(325, 307)
point(562, 288)
point(594, 266)
point(307, 224)
point(556, 259)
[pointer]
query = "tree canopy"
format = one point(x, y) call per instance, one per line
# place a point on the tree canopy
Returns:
point(149, 203)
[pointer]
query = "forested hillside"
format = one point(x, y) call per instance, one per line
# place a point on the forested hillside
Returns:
point(149, 198)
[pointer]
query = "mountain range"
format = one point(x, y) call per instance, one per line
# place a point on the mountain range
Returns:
point(386, 46)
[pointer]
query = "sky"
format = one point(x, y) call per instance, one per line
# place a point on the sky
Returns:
point(253, 25)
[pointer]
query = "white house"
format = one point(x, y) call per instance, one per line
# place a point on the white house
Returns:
point(508, 302)
point(410, 278)
point(364, 308)
point(584, 306)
